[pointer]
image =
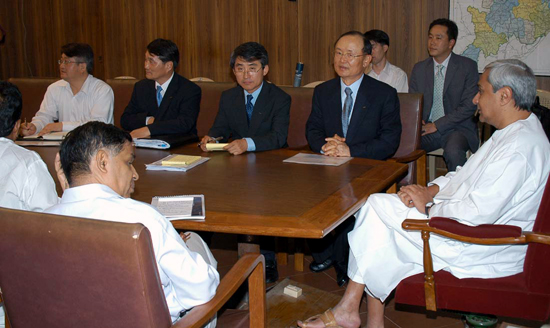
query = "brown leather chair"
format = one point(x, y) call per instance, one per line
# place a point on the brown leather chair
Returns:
point(525, 295)
point(33, 91)
point(122, 89)
point(59, 271)
point(409, 151)
point(210, 102)
point(300, 108)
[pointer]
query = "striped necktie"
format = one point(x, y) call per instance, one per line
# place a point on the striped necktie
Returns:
point(249, 107)
point(346, 110)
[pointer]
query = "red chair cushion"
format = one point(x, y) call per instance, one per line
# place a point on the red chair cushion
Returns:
point(480, 231)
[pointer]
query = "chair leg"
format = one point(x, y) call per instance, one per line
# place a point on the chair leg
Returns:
point(282, 255)
point(421, 171)
point(429, 283)
point(431, 166)
point(299, 254)
point(257, 299)
point(392, 189)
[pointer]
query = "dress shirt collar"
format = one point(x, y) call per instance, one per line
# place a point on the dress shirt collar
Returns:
point(354, 87)
point(164, 85)
point(254, 94)
point(445, 63)
point(88, 191)
point(85, 89)
point(386, 71)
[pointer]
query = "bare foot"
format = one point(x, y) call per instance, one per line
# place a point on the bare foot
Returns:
point(344, 319)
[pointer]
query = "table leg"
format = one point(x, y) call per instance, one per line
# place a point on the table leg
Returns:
point(248, 244)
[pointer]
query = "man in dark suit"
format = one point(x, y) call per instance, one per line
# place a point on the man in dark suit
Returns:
point(353, 115)
point(449, 83)
point(165, 102)
point(254, 114)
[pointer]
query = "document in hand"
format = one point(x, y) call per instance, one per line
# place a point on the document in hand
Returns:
point(315, 159)
point(165, 164)
point(216, 146)
point(182, 207)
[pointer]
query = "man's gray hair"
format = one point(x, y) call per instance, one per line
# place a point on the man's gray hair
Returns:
point(518, 76)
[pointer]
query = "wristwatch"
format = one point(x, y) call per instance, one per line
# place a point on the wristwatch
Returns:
point(428, 206)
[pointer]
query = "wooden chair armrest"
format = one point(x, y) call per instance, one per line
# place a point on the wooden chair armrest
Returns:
point(411, 157)
point(249, 265)
point(520, 238)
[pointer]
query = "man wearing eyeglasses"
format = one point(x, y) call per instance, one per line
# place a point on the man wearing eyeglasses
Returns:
point(165, 102)
point(352, 115)
point(76, 99)
point(254, 114)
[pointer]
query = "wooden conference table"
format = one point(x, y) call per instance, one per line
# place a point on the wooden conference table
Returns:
point(257, 194)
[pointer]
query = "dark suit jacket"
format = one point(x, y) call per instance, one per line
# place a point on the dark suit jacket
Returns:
point(178, 110)
point(459, 90)
point(375, 127)
point(268, 124)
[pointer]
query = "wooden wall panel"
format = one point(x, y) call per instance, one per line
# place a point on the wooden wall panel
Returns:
point(206, 32)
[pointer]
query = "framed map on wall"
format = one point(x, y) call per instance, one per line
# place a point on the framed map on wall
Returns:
point(503, 29)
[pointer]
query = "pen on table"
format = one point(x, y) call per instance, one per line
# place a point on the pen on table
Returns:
point(215, 139)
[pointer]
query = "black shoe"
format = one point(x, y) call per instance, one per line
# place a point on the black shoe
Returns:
point(271, 273)
point(341, 275)
point(319, 267)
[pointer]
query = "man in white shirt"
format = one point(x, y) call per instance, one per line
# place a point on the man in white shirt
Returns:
point(381, 69)
point(26, 182)
point(94, 167)
point(76, 99)
point(502, 183)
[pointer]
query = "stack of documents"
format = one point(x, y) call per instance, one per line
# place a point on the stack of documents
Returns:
point(176, 163)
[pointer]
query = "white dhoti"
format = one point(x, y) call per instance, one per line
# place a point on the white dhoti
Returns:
point(382, 253)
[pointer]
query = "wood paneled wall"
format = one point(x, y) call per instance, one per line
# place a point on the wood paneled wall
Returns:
point(206, 31)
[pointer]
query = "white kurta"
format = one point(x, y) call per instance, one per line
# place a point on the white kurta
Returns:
point(502, 183)
point(25, 183)
point(186, 278)
point(394, 76)
point(94, 102)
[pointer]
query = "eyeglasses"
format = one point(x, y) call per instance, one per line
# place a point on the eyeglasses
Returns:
point(67, 62)
point(347, 56)
point(251, 70)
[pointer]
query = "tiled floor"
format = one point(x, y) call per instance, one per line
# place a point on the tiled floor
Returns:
point(224, 249)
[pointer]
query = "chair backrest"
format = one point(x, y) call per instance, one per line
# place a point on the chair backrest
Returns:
point(411, 126)
point(122, 89)
point(59, 271)
point(537, 265)
point(300, 108)
point(210, 102)
point(33, 91)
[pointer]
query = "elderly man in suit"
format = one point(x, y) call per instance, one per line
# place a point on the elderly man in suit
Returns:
point(449, 83)
point(352, 115)
point(254, 114)
point(165, 102)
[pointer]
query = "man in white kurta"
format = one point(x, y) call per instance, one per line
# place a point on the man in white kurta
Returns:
point(187, 279)
point(95, 169)
point(25, 183)
point(76, 99)
point(502, 183)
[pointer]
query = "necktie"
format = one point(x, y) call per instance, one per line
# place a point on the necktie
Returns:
point(249, 107)
point(437, 108)
point(346, 110)
point(159, 95)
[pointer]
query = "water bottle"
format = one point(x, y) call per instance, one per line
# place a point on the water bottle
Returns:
point(298, 75)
